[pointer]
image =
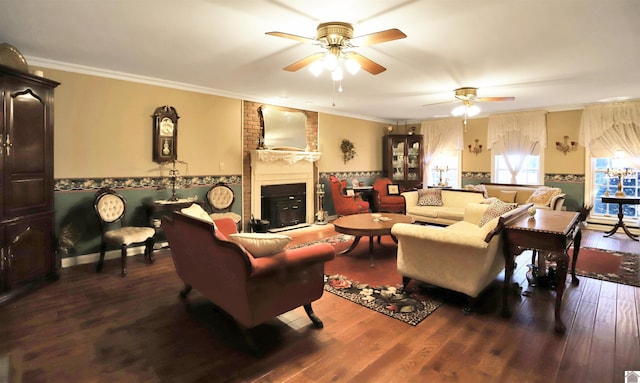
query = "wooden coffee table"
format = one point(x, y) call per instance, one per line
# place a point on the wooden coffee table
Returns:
point(360, 225)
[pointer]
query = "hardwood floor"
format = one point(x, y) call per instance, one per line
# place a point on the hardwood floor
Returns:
point(90, 327)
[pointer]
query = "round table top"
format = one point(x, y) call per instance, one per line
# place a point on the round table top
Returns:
point(367, 225)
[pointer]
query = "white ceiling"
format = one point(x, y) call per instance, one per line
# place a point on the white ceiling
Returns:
point(550, 54)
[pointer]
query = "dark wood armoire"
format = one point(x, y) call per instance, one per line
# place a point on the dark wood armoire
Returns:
point(27, 255)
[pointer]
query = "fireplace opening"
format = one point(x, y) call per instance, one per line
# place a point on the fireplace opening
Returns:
point(284, 205)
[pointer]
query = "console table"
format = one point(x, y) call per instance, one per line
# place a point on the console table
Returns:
point(551, 231)
point(621, 201)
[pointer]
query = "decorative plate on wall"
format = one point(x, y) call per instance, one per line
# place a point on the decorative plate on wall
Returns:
point(11, 57)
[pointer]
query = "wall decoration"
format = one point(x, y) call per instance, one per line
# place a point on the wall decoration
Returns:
point(348, 150)
point(165, 134)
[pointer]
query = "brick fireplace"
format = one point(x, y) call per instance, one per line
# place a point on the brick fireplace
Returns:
point(251, 134)
point(283, 169)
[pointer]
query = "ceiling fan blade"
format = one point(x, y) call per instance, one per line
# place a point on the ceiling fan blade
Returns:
point(366, 64)
point(494, 99)
point(440, 103)
point(378, 37)
point(304, 62)
point(293, 37)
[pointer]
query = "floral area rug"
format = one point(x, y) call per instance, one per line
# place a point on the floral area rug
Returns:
point(377, 288)
point(408, 307)
point(608, 265)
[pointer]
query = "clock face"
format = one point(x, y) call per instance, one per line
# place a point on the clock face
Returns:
point(166, 127)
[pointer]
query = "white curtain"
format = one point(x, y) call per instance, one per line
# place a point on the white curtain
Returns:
point(607, 128)
point(516, 136)
point(439, 136)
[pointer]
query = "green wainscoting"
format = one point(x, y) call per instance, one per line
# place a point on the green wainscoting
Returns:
point(73, 202)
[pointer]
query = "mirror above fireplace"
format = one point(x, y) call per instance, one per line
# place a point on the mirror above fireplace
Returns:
point(282, 128)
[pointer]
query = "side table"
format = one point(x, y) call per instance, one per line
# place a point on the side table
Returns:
point(158, 208)
point(621, 201)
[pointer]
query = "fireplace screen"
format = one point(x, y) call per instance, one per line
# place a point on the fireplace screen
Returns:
point(284, 205)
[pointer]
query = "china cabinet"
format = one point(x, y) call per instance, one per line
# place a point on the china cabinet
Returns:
point(26, 182)
point(402, 160)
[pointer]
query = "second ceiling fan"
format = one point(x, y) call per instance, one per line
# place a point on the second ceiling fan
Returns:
point(336, 38)
point(468, 95)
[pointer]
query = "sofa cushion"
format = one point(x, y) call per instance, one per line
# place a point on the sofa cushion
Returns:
point(430, 197)
point(496, 209)
point(543, 195)
point(459, 198)
point(452, 213)
point(424, 211)
point(507, 196)
point(261, 244)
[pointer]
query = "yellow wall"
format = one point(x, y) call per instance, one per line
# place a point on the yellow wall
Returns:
point(365, 135)
point(559, 124)
point(103, 128)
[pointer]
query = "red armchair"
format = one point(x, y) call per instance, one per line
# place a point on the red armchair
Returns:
point(252, 290)
point(382, 201)
point(344, 204)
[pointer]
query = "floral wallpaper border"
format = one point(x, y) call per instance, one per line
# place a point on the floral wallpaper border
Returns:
point(350, 175)
point(569, 178)
point(79, 184)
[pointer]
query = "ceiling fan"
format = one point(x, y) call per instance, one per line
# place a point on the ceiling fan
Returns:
point(468, 95)
point(336, 38)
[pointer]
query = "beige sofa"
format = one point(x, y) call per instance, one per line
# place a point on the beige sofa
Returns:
point(463, 257)
point(451, 211)
point(554, 200)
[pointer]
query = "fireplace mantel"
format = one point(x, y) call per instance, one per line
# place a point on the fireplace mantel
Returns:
point(279, 167)
point(289, 157)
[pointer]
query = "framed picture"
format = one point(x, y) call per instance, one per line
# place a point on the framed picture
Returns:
point(350, 192)
point(393, 189)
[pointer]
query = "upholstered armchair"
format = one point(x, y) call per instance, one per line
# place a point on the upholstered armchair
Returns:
point(384, 202)
point(251, 289)
point(464, 257)
point(345, 204)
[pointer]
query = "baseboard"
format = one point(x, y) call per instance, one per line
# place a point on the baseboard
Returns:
point(111, 254)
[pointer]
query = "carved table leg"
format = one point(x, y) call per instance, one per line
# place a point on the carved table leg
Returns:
point(561, 279)
point(353, 246)
point(576, 249)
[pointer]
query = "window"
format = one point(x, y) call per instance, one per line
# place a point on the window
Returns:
point(530, 173)
point(446, 163)
point(601, 183)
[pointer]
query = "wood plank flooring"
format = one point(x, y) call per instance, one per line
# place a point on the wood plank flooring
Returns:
point(90, 327)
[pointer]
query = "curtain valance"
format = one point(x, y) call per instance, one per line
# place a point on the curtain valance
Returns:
point(606, 128)
point(531, 125)
point(441, 135)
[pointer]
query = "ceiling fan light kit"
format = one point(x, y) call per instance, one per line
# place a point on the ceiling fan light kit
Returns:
point(336, 38)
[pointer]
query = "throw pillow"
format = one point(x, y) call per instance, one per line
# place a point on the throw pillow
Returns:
point(480, 188)
point(543, 195)
point(430, 197)
point(507, 196)
point(496, 209)
point(196, 211)
point(261, 244)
